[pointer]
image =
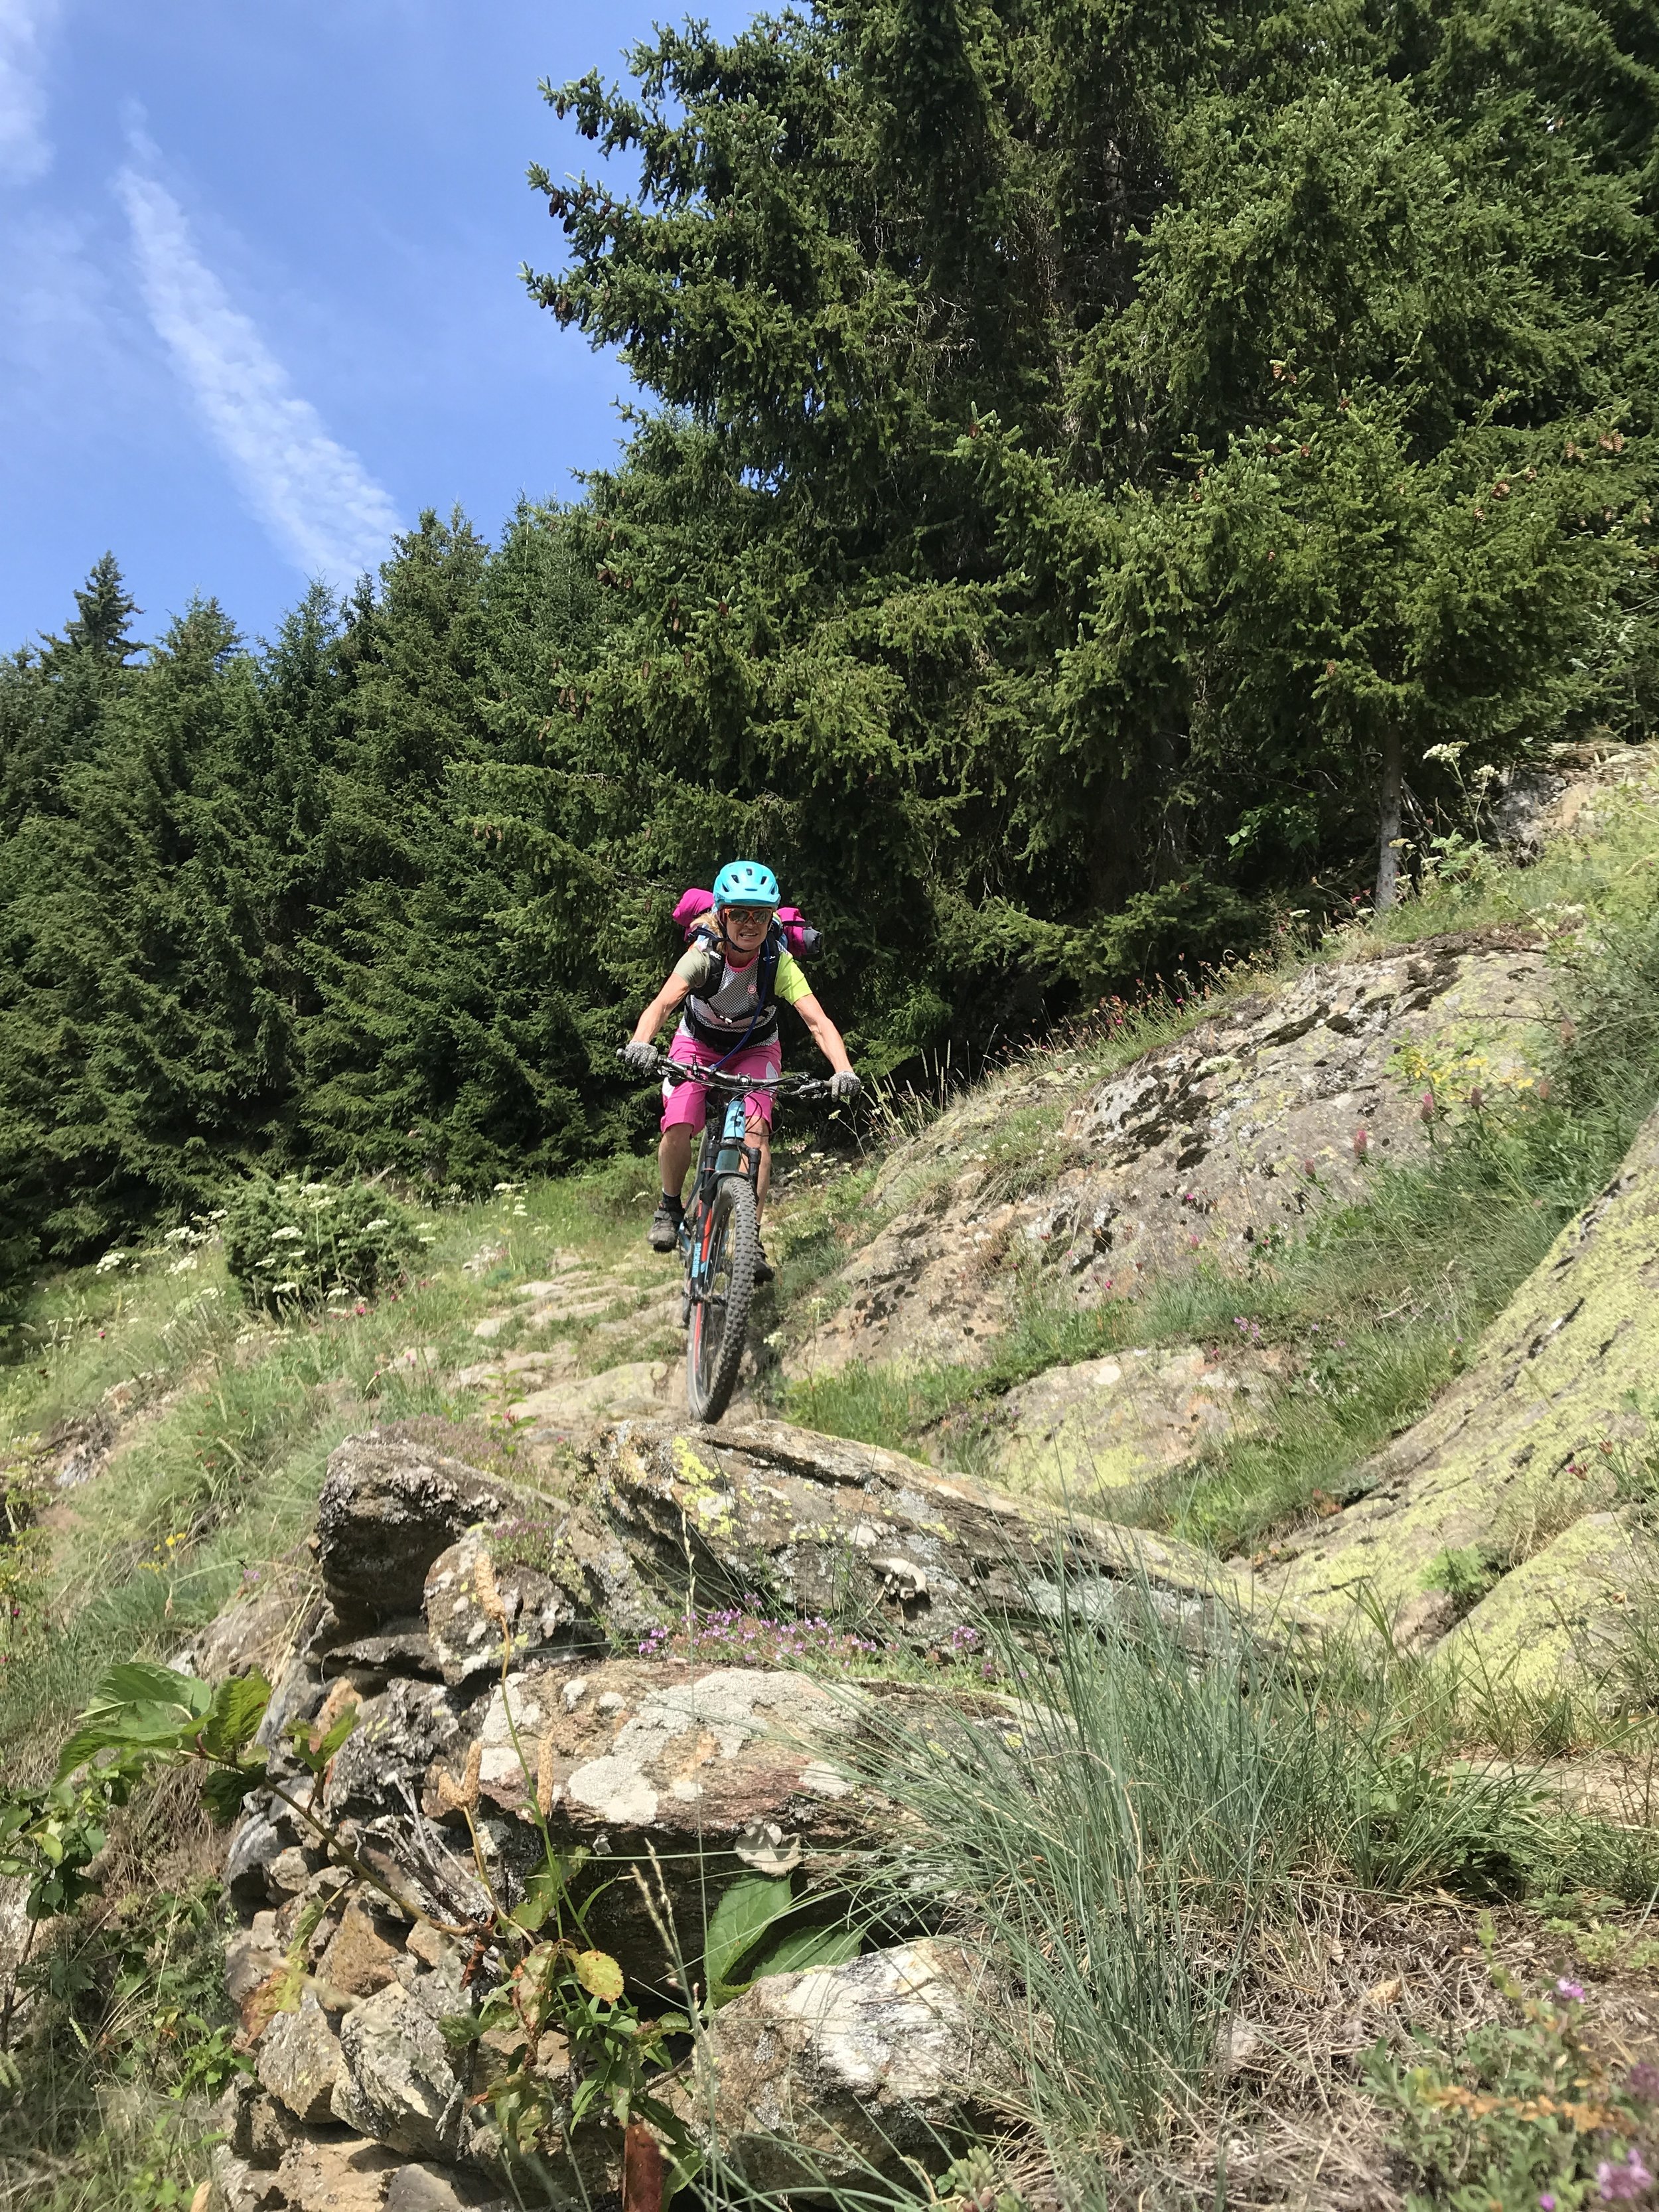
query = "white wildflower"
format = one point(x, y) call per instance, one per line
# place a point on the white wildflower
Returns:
point(110, 1260)
point(284, 1290)
point(378, 1222)
point(185, 1267)
point(286, 1236)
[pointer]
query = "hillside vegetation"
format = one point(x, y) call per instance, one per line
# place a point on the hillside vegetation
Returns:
point(1141, 514)
point(168, 1440)
point(1088, 457)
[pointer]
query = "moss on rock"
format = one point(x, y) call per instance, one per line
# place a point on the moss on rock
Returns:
point(1512, 1457)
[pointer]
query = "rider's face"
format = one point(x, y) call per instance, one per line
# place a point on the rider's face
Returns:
point(746, 925)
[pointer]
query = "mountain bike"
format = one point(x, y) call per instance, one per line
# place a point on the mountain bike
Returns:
point(719, 1234)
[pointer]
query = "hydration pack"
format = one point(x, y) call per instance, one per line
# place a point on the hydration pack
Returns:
point(790, 926)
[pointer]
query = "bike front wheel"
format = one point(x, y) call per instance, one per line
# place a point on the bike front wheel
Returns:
point(723, 1283)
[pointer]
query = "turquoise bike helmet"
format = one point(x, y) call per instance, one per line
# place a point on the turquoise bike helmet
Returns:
point(745, 883)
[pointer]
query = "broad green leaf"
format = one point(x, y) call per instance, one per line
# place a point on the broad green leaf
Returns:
point(140, 1682)
point(238, 1708)
point(133, 1727)
point(746, 1909)
point(805, 1948)
point(600, 1975)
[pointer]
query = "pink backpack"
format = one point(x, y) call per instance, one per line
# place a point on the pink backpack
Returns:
point(799, 934)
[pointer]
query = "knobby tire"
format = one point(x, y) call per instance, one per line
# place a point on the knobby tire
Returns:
point(729, 1239)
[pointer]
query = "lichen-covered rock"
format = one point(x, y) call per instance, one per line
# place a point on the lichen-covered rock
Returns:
point(639, 1385)
point(1523, 1446)
point(398, 1735)
point(1114, 1423)
point(399, 2083)
point(1562, 1617)
point(812, 2079)
point(298, 2062)
point(815, 1524)
point(1208, 1149)
point(388, 1509)
point(465, 1642)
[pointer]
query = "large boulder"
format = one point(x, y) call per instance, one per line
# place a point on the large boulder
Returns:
point(1209, 1149)
point(716, 1771)
point(1109, 1425)
point(774, 1518)
point(1513, 1478)
point(388, 1509)
point(813, 2079)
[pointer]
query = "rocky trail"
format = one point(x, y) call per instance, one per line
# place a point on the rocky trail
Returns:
point(557, 1626)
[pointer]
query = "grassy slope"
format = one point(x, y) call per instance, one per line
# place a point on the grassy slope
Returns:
point(1353, 1778)
point(1379, 1303)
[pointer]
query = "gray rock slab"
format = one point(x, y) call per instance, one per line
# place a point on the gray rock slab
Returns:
point(298, 2062)
point(398, 2083)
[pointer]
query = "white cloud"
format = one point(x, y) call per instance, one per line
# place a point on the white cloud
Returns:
point(25, 152)
point(319, 503)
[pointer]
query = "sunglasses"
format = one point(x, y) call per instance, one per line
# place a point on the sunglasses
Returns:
point(746, 917)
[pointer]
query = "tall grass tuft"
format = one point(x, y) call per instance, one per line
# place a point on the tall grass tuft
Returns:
point(1118, 1833)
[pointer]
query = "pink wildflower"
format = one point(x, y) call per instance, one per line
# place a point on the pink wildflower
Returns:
point(1623, 2183)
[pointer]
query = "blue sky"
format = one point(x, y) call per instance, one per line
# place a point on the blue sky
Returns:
point(258, 264)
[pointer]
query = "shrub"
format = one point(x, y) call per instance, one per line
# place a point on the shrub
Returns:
point(314, 1244)
point(1522, 2113)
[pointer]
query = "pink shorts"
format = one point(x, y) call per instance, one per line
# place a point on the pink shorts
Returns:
point(685, 1105)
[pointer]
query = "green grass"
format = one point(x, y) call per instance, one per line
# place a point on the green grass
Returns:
point(220, 1471)
point(1126, 1833)
point(1380, 1306)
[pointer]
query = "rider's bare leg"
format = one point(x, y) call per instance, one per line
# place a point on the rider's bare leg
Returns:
point(758, 1134)
point(674, 1157)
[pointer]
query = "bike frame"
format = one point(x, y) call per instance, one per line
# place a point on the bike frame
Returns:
point(725, 1150)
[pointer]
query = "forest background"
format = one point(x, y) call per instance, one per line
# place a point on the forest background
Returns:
point(1087, 450)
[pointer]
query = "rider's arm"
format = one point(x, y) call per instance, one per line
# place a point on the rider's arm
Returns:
point(825, 1035)
point(672, 993)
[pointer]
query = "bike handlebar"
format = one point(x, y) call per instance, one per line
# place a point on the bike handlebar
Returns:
point(781, 1086)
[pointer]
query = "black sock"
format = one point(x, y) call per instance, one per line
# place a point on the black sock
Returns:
point(672, 1203)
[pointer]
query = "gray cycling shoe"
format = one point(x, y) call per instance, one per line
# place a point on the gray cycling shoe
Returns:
point(663, 1234)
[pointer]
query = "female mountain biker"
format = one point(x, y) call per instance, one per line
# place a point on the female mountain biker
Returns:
point(730, 994)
